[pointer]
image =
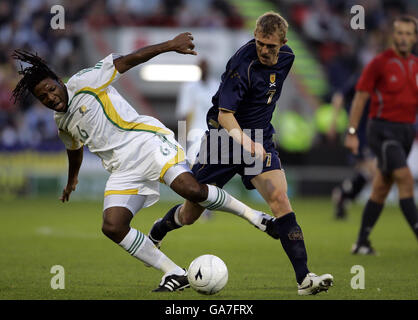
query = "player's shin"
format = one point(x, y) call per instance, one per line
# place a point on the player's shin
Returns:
point(371, 214)
point(219, 199)
point(291, 237)
point(410, 212)
point(138, 245)
point(164, 225)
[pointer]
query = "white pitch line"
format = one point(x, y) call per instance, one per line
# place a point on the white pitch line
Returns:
point(53, 232)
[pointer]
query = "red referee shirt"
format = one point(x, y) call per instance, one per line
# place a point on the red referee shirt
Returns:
point(392, 82)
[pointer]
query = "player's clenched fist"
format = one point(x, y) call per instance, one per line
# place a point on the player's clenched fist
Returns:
point(258, 151)
point(183, 43)
point(351, 142)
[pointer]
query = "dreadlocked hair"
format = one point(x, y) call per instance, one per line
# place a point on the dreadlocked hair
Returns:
point(31, 75)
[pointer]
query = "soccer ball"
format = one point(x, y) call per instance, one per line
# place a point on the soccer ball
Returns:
point(207, 274)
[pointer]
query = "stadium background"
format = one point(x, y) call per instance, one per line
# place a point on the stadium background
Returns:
point(38, 232)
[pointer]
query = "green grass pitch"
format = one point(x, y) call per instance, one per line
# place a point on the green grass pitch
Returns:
point(37, 234)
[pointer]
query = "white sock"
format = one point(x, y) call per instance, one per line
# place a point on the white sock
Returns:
point(139, 246)
point(219, 199)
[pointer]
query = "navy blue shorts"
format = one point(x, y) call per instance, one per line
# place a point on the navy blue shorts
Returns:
point(217, 173)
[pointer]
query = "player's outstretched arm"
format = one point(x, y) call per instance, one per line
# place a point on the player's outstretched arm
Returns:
point(182, 43)
point(75, 158)
point(357, 107)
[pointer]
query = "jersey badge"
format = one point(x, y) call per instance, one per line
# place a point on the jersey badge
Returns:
point(82, 110)
point(272, 80)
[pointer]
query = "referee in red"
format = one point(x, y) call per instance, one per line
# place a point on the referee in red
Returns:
point(391, 81)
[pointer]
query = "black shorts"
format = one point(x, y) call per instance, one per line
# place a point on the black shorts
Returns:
point(391, 142)
point(219, 173)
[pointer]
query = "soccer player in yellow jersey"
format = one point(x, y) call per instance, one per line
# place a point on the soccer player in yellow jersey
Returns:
point(137, 150)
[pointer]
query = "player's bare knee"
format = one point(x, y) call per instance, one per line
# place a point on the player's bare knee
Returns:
point(379, 198)
point(108, 229)
point(380, 192)
point(279, 203)
point(195, 193)
point(404, 178)
point(406, 188)
point(280, 197)
point(114, 231)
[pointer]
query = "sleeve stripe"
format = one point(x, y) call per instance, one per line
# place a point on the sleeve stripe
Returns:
point(228, 110)
point(112, 115)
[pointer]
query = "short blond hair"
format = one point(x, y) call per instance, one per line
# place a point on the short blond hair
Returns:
point(271, 22)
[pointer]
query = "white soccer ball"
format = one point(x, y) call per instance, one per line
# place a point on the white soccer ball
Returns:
point(207, 274)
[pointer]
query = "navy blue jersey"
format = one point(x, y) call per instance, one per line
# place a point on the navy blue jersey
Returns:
point(250, 89)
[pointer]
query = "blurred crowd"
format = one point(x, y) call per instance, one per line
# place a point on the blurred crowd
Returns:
point(169, 13)
point(342, 50)
point(323, 24)
point(26, 24)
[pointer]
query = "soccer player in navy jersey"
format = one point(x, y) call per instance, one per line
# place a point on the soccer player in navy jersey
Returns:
point(242, 107)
